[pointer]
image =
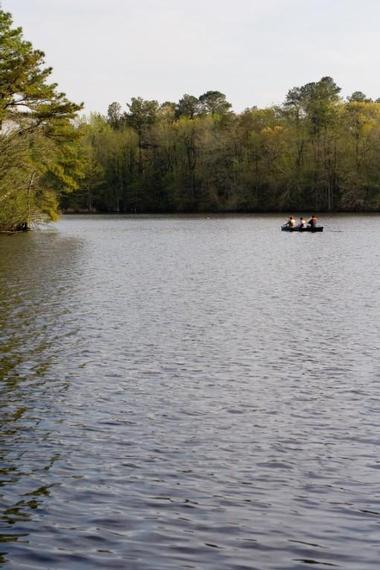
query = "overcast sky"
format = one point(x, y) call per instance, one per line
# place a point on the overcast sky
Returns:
point(251, 50)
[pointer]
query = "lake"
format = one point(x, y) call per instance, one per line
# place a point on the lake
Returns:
point(190, 393)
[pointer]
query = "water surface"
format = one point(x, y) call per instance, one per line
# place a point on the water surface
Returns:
point(190, 392)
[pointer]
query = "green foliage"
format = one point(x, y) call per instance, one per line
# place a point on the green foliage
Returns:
point(141, 113)
point(214, 102)
point(114, 115)
point(189, 106)
point(358, 97)
point(315, 152)
point(38, 141)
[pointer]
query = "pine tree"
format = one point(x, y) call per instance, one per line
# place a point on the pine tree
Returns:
point(37, 136)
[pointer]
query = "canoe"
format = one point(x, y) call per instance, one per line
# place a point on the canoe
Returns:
point(286, 228)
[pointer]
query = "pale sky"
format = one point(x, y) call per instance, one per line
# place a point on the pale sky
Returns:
point(254, 51)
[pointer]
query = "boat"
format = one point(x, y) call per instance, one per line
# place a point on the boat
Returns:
point(286, 228)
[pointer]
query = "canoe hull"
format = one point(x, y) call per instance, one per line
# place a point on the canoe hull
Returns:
point(308, 229)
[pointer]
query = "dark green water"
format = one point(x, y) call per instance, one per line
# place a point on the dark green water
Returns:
point(190, 393)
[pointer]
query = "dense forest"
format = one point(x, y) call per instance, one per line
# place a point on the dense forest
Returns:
point(316, 151)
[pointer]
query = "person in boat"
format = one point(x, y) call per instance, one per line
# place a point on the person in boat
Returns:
point(291, 223)
point(302, 223)
point(313, 221)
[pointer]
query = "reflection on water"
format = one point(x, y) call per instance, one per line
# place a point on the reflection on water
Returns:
point(190, 393)
point(31, 315)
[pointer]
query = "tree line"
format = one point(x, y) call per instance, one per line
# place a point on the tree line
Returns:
point(315, 151)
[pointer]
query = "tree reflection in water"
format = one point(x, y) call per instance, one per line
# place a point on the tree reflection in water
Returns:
point(30, 286)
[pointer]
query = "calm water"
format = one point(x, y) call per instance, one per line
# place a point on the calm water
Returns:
point(190, 393)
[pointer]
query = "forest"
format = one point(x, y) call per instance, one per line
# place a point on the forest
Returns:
point(316, 151)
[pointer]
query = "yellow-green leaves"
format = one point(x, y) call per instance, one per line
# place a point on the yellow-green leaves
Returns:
point(39, 145)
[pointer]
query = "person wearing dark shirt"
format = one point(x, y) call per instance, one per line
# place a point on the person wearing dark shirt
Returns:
point(313, 221)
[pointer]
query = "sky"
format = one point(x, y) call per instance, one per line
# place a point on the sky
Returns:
point(254, 51)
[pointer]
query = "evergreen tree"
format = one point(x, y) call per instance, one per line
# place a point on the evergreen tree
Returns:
point(38, 140)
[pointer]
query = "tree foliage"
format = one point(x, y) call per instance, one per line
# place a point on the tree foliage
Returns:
point(316, 151)
point(40, 150)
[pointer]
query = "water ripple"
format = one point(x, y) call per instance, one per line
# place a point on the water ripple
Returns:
point(190, 393)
